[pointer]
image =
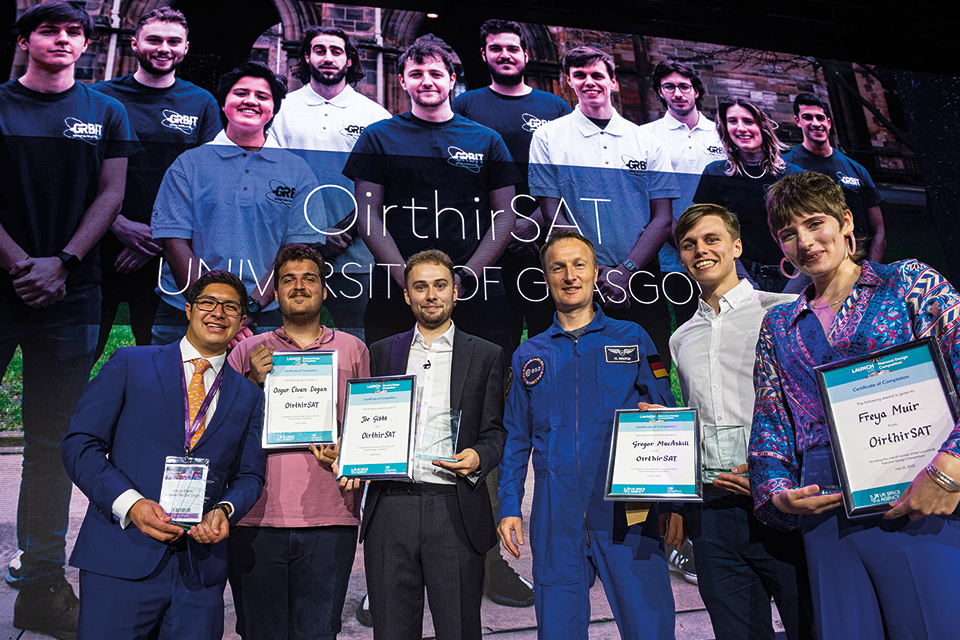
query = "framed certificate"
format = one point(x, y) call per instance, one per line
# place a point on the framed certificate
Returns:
point(888, 414)
point(376, 440)
point(301, 393)
point(655, 456)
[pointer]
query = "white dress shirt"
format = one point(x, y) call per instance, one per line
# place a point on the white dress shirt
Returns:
point(432, 365)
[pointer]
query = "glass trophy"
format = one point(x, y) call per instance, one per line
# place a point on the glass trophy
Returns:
point(437, 431)
point(819, 468)
point(724, 447)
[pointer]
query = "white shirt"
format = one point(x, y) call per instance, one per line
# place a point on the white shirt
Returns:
point(121, 506)
point(715, 355)
point(690, 150)
point(606, 178)
point(310, 122)
point(432, 365)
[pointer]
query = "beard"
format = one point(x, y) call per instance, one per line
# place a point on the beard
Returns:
point(328, 80)
point(511, 80)
point(147, 65)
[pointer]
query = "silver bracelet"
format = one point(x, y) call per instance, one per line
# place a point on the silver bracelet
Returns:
point(942, 479)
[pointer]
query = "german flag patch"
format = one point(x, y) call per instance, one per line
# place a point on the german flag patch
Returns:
point(656, 366)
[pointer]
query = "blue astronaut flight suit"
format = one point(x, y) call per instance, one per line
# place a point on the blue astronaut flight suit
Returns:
point(561, 402)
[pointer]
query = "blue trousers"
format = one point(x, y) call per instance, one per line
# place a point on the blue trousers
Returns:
point(875, 578)
point(741, 564)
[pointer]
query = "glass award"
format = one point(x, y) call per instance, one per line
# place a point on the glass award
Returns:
point(437, 430)
point(819, 468)
point(724, 447)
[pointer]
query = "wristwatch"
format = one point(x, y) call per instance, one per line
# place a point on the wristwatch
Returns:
point(70, 261)
point(629, 265)
point(462, 272)
point(226, 508)
point(253, 305)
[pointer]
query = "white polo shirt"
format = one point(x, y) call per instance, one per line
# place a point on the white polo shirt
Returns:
point(690, 150)
point(606, 177)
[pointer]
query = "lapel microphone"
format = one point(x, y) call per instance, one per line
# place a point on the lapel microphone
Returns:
point(426, 365)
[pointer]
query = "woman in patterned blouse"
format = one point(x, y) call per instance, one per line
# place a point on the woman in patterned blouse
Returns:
point(892, 577)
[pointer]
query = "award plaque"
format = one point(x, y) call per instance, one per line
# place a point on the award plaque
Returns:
point(301, 393)
point(376, 441)
point(655, 456)
point(888, 414)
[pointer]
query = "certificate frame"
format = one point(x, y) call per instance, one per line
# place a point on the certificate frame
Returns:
point(298, 377)
point(880, 444)
point(633, 426)
point(365, 462)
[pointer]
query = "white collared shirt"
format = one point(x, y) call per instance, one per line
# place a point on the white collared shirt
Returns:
point(121, 506)
point(715, 354)
point(433, 366)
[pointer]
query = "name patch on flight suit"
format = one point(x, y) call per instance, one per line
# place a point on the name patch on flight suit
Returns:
point(532, 371)
point(622, 355)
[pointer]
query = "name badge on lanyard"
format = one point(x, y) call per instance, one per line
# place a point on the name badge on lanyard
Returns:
point(184, 489)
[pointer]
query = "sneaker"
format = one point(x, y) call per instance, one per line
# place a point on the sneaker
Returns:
point(13, 571)
point(681, 561)
point(49, 607)
point(505, 586)
point(363, 612)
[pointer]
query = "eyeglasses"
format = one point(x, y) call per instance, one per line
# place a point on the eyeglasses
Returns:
point(231, 309)
point(670, 88)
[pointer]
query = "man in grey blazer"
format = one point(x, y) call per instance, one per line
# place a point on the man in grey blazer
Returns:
point(435, 531)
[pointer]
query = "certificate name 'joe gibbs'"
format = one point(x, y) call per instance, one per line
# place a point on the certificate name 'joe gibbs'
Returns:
point(888, 415)
point(300, 406)
point(655, 456)
point(377, 426)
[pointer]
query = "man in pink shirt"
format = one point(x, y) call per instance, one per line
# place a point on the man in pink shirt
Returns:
point(291, 556)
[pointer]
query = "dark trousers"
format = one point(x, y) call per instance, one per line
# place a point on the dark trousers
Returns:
point(741, 564)
point(416, 539)
point(57, 344)
point(290, 583)
point(137, 289)
point(520, 273)
point(169, 604)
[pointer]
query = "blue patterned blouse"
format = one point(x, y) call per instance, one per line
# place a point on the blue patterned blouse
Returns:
point(890, 305)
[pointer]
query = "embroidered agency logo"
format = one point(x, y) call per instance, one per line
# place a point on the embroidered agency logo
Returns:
point(281, 193)
point(633, 166)
point(850, 182)
point(183, 124)
point(531, 122)
point(468, 160)
point(80, 130)
point(351, 131)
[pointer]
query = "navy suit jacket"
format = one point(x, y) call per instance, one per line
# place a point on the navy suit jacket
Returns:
point(476, 388)
point(133, 413)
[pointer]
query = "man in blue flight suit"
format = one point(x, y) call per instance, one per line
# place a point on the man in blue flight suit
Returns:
point(566, 385)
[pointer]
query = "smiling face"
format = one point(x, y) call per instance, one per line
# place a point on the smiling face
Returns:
point(814, 124)
point(328, 60)
point(816, 243)
point(428, 83)
point(679, 93)
point(299, 290)
point(54, 47)
point(571, 275)
point(744, 130)
point(594, 87)
point(708, 252)
point(211, 331)
point(431, 293)
point(505, 58)
point(160, 47)
point(249, 105)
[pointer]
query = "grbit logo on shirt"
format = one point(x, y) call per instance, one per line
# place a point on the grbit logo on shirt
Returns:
point(531, 122)
point(351, 131)
point(468, 160)
point(79, 130)
point(715, 150)
point(849, 182)
point(281, 193)
point(633, 166)
point(183, 124)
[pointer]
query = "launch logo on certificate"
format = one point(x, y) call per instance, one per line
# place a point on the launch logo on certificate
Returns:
point(378, 420)
point(301, 407)
point(655, 455)
point(888, 414)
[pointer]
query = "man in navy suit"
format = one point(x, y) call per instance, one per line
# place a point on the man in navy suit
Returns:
point(435, 531)
point(150, 579)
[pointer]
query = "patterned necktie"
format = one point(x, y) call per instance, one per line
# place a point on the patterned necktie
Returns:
point(196, 392)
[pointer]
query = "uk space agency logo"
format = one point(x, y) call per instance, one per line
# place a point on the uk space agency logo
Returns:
point(531, 123)
point(468, 160)
point(183, 124)
point(281, 193)
point(351, 131)
point(80, 130)
point(633, 166)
